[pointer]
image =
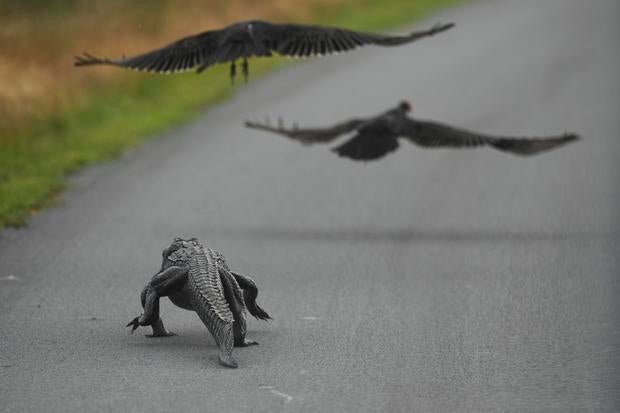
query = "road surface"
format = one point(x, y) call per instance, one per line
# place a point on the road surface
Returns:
point(429, 281)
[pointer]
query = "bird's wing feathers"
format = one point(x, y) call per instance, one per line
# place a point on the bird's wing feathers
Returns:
point(531, 146)
point(310, 135)
point(201, 50)
point(306, 40)
point(434, 135)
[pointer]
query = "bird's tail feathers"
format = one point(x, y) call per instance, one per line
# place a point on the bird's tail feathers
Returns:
point(88, 60)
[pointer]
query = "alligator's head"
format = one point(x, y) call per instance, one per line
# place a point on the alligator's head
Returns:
point(179, 252)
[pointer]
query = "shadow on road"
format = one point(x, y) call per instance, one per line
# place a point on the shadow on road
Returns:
point(405, 235)
point(196, 348)
point(192, 338)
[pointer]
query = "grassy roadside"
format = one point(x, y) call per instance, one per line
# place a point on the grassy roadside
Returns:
point(36, 156)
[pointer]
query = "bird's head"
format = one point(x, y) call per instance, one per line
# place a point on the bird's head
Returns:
point(405, 106)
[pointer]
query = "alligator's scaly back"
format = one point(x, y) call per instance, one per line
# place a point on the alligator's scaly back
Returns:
point(210, 302)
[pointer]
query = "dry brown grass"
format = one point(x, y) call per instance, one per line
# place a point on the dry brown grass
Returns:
point(37, 45)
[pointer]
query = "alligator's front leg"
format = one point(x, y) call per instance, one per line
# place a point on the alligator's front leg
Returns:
point(158, 326)
point(165, 283)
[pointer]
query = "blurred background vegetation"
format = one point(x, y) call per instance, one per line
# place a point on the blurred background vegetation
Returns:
point(55, 118)
point(39, 38)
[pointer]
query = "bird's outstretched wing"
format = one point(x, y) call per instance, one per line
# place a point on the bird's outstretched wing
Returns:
point(435, 135)
point(198, 51)
point(305, 40)
point(311, 135)
point(247, 39)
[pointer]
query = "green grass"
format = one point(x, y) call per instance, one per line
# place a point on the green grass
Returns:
point(35, 163)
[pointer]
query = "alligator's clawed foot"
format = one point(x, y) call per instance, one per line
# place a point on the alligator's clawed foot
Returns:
point(247, 343)
point(135, 323)
point(164, 334)
point(245, 70)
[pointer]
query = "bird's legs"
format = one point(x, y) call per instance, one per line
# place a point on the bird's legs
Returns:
point(245, 70)
point(233, 72)
point(161, 285)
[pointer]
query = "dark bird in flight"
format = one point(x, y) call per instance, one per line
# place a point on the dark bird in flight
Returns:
point(377, 136)
point(253, 38)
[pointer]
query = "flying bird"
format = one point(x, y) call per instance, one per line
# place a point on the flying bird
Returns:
point(377, 136)
point(256, 38)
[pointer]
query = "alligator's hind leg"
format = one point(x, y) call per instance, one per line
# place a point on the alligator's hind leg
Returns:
point(234, 297)
point(161, 285)
point(250, 292)
point(239, 331)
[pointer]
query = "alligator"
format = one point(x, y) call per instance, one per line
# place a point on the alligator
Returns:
point(199, 279)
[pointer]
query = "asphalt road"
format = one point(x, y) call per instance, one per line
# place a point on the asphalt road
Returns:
point(429, 281)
